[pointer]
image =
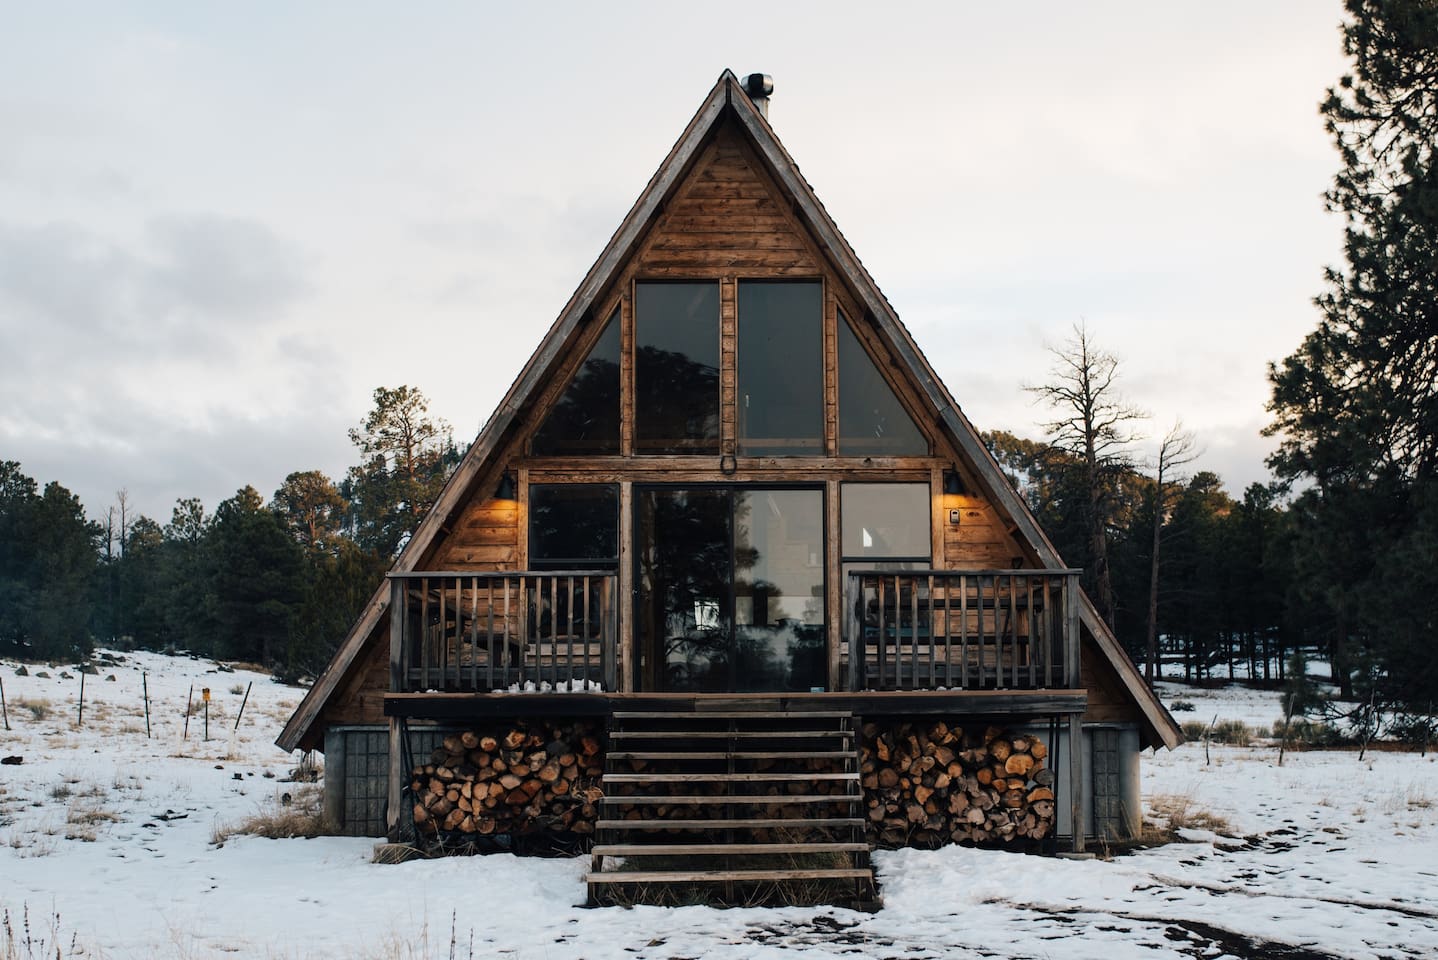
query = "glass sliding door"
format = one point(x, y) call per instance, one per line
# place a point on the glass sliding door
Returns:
point(779, 636)
point(729, 589)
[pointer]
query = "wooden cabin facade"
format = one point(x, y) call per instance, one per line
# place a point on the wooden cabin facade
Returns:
point(728, 484)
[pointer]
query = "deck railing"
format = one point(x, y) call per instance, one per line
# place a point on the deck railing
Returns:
point(482, 632)
point(962, 630)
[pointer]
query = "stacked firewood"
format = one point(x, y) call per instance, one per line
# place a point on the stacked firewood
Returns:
point(518, 778)
point(927, 784)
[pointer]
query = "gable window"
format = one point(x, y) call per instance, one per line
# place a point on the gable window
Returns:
point(676, 368)
point(573, 526)
point(585, 419)
point(781, 368)
point(872, 421)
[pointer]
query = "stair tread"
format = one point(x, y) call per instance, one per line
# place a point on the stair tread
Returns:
point(724, 777)
point(736, 824)
point(725, 849)
point(739, 799)
point(621, 876)
point(730, 715)
point(726, 754)
point(726, 734)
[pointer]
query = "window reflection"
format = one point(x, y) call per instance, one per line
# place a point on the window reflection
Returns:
point(676, 367)
point(781, 368)
point(872, 422)
point(585, 419)
point(573, 526)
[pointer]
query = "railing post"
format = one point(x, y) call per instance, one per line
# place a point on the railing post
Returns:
point(397, 680)
point(1072, 671)
point(1076, 784)
point(610, 647)
point(397, 683)
point(854, 630)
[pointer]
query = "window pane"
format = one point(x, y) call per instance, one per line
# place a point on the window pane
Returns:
point(885, 520)
point(586, 418)
point(573, 524)
point(872, 422)
point(779, 640)
point(676, 368)
point(781, 369)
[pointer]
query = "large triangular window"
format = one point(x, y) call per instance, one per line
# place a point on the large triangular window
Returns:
point(585, 419)
point(872, 422)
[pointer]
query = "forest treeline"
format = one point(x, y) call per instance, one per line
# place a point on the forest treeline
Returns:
point(275, 582)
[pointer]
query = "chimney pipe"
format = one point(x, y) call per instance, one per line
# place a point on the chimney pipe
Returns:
point(759, 87)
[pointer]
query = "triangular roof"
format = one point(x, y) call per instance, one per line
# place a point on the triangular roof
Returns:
point(727, 99)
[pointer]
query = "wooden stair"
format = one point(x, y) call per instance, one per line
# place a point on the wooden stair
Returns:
point(731, 807)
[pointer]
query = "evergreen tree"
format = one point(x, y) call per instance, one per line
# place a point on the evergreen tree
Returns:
point(406, 457)
point(311, 509)
point(1356, 406)
point(258, 575)
point(48, 556)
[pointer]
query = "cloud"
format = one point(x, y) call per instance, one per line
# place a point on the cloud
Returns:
point(162, 364)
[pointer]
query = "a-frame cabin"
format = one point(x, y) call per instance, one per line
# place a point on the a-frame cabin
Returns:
point(727, 502)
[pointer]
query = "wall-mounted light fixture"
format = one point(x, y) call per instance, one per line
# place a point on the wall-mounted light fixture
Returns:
point(507, 488)
point(953, 484)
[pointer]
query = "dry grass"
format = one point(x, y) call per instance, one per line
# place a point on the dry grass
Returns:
point(287, 815)
point(39, 709)
point(1171, 812)
point(25, 938)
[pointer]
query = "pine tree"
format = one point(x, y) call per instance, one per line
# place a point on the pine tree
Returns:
point(1356, 406)
point(406, 457)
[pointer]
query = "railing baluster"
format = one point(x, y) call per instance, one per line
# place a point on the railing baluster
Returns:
point(948, 582)
point(424, 633)
point(964, 631)
point(505, 645)
point(458, 637)
point(489, 638)
point(553, 630)
point(929, 621)
point(913, 631)
point(883, 634)
point(1029, 647)
point(569, 656)
point(1013, 631)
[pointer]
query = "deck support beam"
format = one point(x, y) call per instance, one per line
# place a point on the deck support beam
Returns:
point(1076, 793)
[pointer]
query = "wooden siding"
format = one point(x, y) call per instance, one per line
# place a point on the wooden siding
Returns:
point(1108, 702)
point(979, 541)
point(728, 217)
point(361, 699)
point(487, 537)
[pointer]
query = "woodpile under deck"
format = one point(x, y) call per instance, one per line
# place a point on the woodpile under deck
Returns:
point(734, 806)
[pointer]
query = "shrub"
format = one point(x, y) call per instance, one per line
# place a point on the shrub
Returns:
point(1181, 706)
point(1194, 729)
point(1317, 734)
point(300, 814)
point(1234, 732)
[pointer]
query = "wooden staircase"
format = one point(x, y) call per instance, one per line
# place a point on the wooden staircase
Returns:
point(731, 807)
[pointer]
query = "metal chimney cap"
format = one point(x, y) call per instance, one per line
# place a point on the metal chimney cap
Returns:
point(758, 85)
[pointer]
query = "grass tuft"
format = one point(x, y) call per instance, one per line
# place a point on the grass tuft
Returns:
point(1171, 812)
point(286, 816)
point(39, 709)
point(22, 938)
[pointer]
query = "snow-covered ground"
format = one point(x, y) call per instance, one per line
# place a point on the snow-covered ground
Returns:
point(114, 832)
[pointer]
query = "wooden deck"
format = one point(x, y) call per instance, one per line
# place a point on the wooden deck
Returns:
point(1009, 703)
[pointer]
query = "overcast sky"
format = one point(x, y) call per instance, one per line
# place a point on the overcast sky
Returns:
point(222, 226)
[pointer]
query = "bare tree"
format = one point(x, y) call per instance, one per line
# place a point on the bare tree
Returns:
point(1176, 450)
point(1093, 423)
